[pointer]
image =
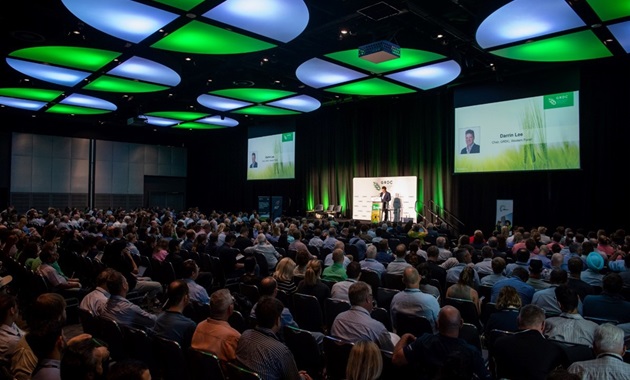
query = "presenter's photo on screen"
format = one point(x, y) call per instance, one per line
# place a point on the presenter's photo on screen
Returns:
point(253, 164)
point(470, 145)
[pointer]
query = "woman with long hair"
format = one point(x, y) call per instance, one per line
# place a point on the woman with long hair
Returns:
point(463, 289)
point(284, 275)
point(365, 361)
point(312, 283)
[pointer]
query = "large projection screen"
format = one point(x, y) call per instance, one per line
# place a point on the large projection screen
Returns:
point(271, 157)
point(533, 133)
point(404, 191)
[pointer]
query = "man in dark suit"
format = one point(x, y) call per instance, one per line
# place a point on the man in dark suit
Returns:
point(254, 164)
point(385, 198)
point(471, 147)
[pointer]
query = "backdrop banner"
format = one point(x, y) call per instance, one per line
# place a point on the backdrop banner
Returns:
point(404, 191)
point(505, 212)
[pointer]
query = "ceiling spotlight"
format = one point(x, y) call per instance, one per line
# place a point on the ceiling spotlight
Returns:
point(276, 81)
point(188, 59)
point(344, 31)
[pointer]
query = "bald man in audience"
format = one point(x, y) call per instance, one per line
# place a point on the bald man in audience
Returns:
point(215, 335)
point(441, 355)
point(413, 301)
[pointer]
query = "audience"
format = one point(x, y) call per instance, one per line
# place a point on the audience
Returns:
point(569, 326)
point(120, 309)
point(609, 347)
point(96, 300)
point(399, 264)
point(312, 284)
point(413, 301)
point(284, 275)
point(337, 271)
point(340, 288)
point(215, 335)
point(610, 304)
point(10, 333)
point(171, 323)
point(365, 361)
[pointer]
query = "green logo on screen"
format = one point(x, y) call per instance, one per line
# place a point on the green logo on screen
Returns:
point(564, 99)
point(287, 137)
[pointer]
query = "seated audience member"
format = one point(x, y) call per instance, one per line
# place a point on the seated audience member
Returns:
point(431, 354)
point(171, 323)
point(546, 298)
point(435, 270)
point(542, 355)
point(575, 266)
point(610, 304)
point(48, 308)
point(370, 262)
point(358, 242)
point(260, 349)
point(284, 275)
point(594, 264)
point(10, 333)
point(229, 257)
point(463, 289)
point(312, 284)
point(518, 280)
point(535, 275)
point(120, 309)
point(413, 301)
point(383, 254)
point(484, 267)
point(197, 293)
point(569, 326)
point(505, 318)
point(365, 361)
point(356, 324)
point(95, 300)
point(399, 264)
point(129, 370)
point(498, 267)
point(301, 261)
point(250, 277)
point(425, 286)
point(269, 287)
point(609, 347)
point(215, 335)
point(464, 259)
point(557, 262)
point(522, 260)
point(265, 248)
point(84, 360)
point(56, 280)
point(336, 272)
point(443, 252)
point(47, 345)
point(329, 259)
point(340, 288)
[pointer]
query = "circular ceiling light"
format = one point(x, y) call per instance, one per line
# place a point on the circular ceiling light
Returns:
point(259, 101)
point(70, 66)
point(231, 27)
point(346, 73)
point(54, 101)
point(553, 31)
point(188, 120)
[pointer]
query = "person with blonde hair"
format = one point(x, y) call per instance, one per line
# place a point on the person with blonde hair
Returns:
point(365, 361)
point(508, 305)
point(284, 275)
point(312, 283)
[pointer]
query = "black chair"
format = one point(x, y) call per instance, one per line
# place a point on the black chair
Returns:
point(337, 352)
point(353, 251)
point(285, 298)
point(332, 308)
point(467, 309)
point(575, 352)
point(486, 310)
point(313, 250)
point(238, 322)
point(138, 345)
point(435, 282)
point(88, 322)
point(382, 316)
point(307, 312)
point(110, 332)
point(393, 281)
point(470, 333)
point(236, 372)
point(204, 365)
point(393, 242)
point(291, 253)
point(249, 291)
point(329, 283)
point(170, 361)
point(263, 266)
point(485, 292)
point(384, 297)
point(305, 349)
point(413, 324)
point(371, 278)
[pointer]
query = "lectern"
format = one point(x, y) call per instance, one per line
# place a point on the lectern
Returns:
point(375, 216)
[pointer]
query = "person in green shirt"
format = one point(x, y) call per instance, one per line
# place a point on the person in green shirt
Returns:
point(336, 272)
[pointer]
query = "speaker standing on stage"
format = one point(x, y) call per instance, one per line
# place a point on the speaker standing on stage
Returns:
point(385, 198)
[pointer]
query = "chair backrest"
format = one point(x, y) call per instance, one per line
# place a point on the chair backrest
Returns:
point(393, 281)
point(575, 352)
point(307, 312)
point(88, 322)
point(328, 283)
point(467, 309)
point(313, 250)
point(352, 250)
point(332, 308)
point(236, 372)
point(485, 291)
point(250, 291)
point(486, 310)
point(382, 316)
point(263, 266)
point(285, 298)
point(238, 322)
point(337, 209)
point(413, 324)
point(109, 331)
point(384, 297)
point(319, 207)
point(337, 352)
point(330, 208)
point(138, 345)
point(470, 334)
point(305, 349)
point(372, 278)
point(204, 365)
point(170, 359)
